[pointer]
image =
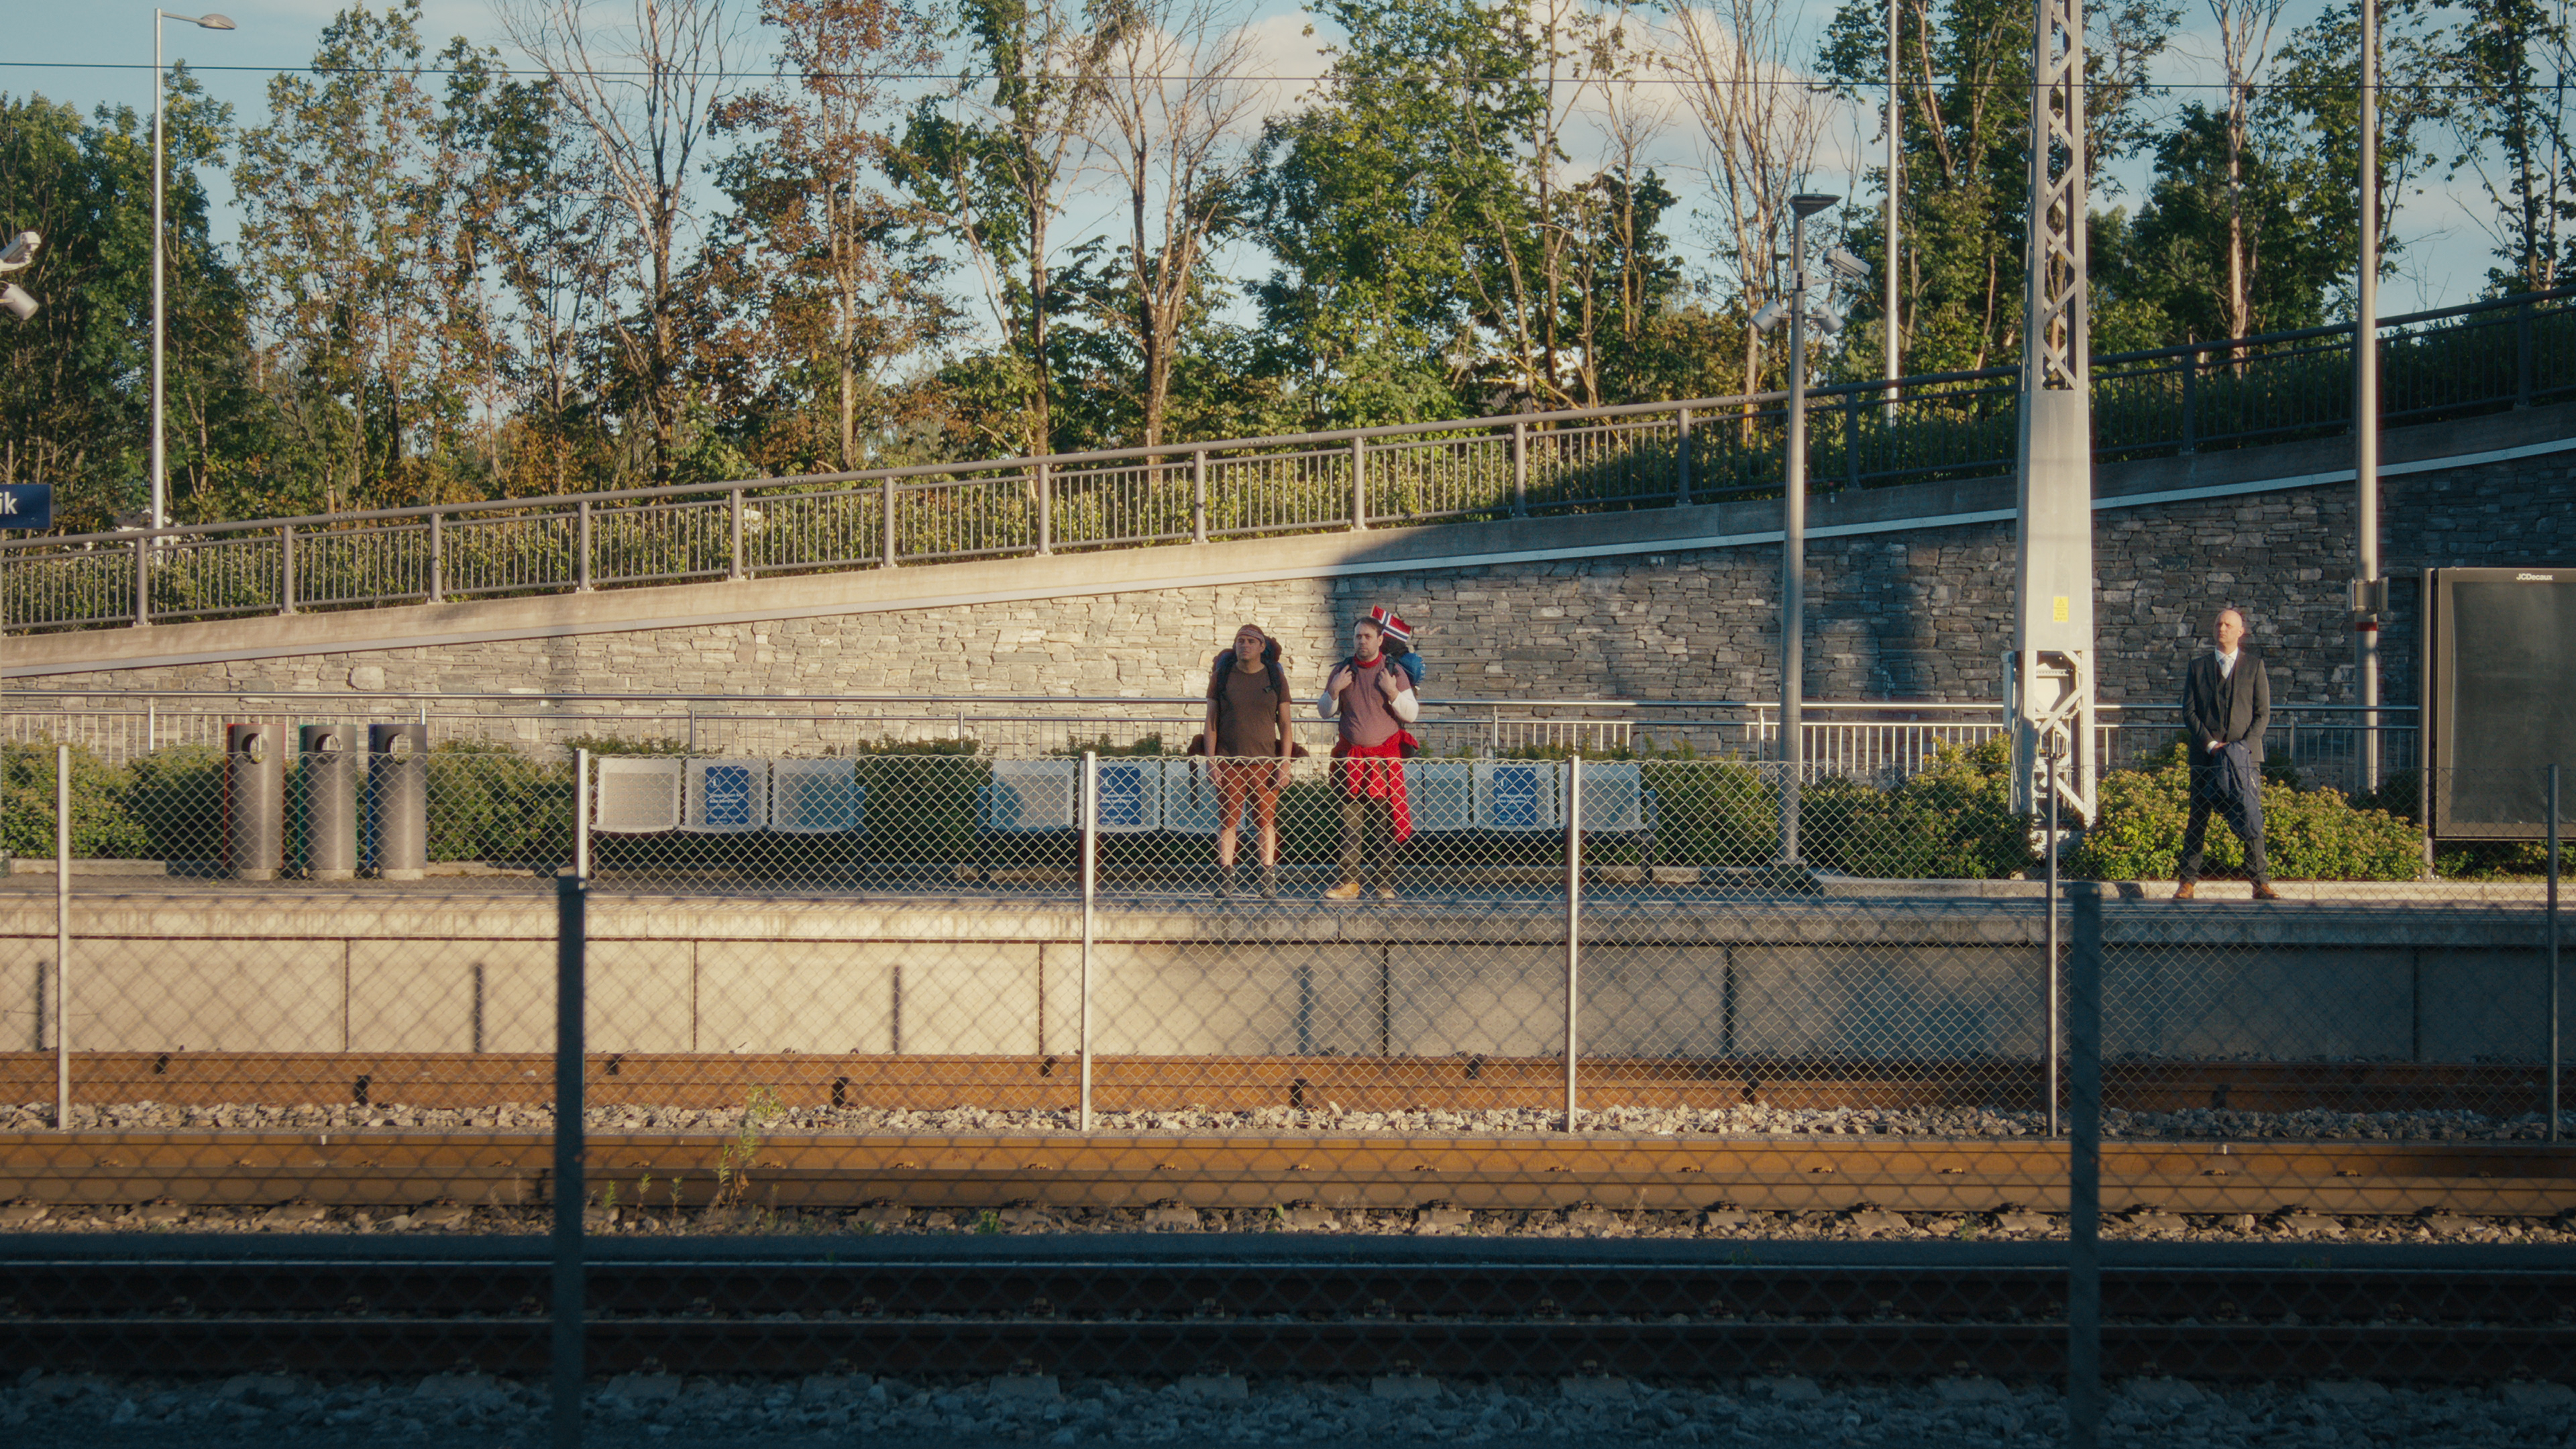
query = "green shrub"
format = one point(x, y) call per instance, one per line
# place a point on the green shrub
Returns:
point(489, 802)
point(1713, 813)
point(2307, 834)
point(177, 797)
point(1952, 821)
point(101, 828)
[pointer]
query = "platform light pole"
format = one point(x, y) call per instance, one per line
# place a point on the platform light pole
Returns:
point(2368, 592)
point(160, 456)
point(1894, 162)
point(1793, 516)
point(2049, 676)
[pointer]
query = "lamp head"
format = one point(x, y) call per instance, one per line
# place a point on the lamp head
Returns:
point(17, 301)
point(216, 22)
point(1771, 314)
point(1824, 321)
point(1847, 266)
point(1807, 203)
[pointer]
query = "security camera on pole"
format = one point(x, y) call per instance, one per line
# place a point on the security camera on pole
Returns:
point(21, 251)
point(2049, 676)
point(1793, 527)
point(160, 455)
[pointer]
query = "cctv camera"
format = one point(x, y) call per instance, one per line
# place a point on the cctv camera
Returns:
point(1848, 267)
point(1771, 314)
point(21, 251)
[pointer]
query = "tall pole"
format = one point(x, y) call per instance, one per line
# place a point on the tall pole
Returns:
point(1894, 173)
point(160, 461)
point(2365, 410)
point(1793, 532)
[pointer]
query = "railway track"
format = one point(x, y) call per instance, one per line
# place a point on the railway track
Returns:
point(1141, 1307)
point(397, 1170)
point(1470, 1082)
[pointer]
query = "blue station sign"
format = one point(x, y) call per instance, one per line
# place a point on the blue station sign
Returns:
point(26, 505)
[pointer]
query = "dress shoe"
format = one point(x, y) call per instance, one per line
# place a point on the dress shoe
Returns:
point(2263, 891)
point(2183, 892)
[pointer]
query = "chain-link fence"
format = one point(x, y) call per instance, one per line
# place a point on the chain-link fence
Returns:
point(956, 1001)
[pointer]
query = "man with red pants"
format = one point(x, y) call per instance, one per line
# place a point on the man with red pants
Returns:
point(1372, 699)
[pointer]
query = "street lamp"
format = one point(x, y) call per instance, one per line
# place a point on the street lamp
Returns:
point(1793, 528)
point(160, 458)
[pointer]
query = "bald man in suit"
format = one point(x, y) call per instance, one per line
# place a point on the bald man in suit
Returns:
point(2226, 700)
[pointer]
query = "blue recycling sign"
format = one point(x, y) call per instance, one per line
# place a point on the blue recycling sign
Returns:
point(26, 505)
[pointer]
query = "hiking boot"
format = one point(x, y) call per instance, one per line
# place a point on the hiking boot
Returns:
point(1270, 882)
point(2183, 892)
point(2263, 891)
point(1348, 890)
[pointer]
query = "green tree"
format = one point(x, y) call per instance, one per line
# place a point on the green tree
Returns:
point(2508, 60)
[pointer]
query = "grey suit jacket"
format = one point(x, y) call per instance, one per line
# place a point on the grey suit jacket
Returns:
point(2248, 706)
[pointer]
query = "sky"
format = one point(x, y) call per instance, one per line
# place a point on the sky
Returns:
point(102, 54)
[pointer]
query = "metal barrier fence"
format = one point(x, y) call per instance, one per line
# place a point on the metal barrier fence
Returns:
point(806, 1004)
point(2508, 353)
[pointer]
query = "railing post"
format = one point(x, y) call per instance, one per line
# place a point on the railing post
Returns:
point(1573, 926)
point(2522, 354)
point(581, 814)
point(2191, 401)
point(1851, 441)
point(1046, 512)
point(2084, 1171)
point(1520, 470)
point(142, 582)
point(62, 938)
point(734, 518)
point(1682, 464)
point(2550, 955)
point(581, 548)
point(1198, 495)
point(1090, 819)
point(1359, 484)
point(437, 559)
point(885, 507)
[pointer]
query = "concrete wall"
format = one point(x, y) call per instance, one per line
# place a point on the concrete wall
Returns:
point(291, 974)
point(1910, 591)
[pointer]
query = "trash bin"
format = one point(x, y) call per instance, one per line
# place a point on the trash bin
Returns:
point(329, 768)
point(254, 800)
point(398, 799)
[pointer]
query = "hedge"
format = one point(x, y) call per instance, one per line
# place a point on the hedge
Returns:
point(2307, 834)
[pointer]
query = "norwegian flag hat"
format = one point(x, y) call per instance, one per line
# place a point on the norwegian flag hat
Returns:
point(1389, 625)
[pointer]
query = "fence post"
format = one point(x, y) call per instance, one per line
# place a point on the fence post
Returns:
point(2551, 954)
point(1046, 512)
point(2055, 1034)
point(581, 550)
point(2191, 401)
point(142, 583)
point(1198, 495)
point(581, 813)
point(572, 940)
point(62, 938)
point(437, 559)
point(1682, 464)
point(1851, 441)
point(886, 508)
point(1520, 470)
point(1090, 818)
point(1573, 924)
point(1359, 484)
point(734, 519)
point(286, 569)
point(2084, 1173)
point(2522, 354)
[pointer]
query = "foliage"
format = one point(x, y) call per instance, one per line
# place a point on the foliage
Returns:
point(101, 826)
point(1952, 820)
point(489, 802)
point(2307, 834)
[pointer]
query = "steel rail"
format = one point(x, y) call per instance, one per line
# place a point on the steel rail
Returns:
point(398, 1170)
point(1477, 1315)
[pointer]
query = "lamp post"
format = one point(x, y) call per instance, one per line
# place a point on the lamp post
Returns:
point(1894, 161)
point(2367, 588)
point(160, 458)
point(1793, 525)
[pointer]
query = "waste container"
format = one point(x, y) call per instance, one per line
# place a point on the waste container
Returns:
point(254, 800)
point(329, 769)
point(398, 799)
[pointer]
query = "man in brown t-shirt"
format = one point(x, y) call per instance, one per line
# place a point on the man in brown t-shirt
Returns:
point(1249, 741)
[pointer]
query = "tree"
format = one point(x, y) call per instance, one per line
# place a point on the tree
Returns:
point(2511, 121)
point(828, 267)
point(2244, 44)
point(647, 90)
point(1175, 97)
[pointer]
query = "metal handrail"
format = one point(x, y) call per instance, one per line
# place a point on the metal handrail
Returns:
point(433, 552)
